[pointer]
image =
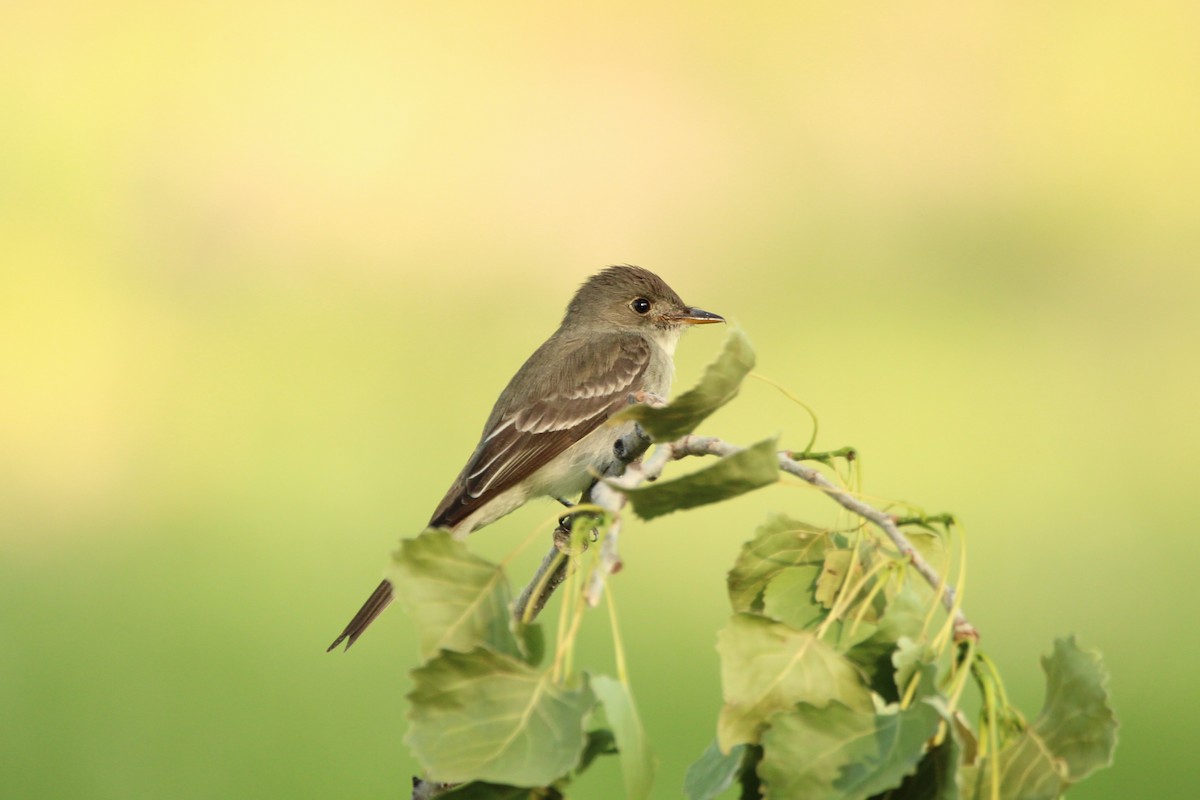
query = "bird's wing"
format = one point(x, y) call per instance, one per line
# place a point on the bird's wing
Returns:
point(592, 382)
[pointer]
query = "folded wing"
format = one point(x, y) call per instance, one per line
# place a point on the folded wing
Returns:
point(589, 384)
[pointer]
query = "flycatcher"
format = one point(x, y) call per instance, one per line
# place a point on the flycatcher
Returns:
point(546, 435)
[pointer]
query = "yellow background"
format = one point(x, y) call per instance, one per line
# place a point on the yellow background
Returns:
point(264, 268)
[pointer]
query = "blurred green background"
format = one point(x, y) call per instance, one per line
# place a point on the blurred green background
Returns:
point(265, 267)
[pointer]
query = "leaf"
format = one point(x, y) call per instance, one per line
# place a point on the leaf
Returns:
point(717, 386)
point(1028, 771)
point(780, 543)
point(767, 667)
point(905, 613)
point(484, 716)
point(936, 777)
point(457, 600)
point(904, 616)
point(931, 546)
point(749, 469)
point(1077, 721)
point(837, 752)
point(913, 660)
point(789, 597)
point(967, 739)
point(713, 772)
point(1074, 735)
point(532, 640)
point(837, 564)
point(637, 761)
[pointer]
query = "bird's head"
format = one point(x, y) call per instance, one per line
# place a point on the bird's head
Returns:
point(632, 299)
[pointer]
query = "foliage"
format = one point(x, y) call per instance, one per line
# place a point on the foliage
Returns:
point(865, 713)
point(753, 468)
point(839, 675)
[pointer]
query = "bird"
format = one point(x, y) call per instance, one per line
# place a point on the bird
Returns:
point(546, 435)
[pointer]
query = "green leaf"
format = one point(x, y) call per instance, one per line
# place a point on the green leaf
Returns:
point(839, 753)
point(1028, 771)
point(488, 717)
point(637, 762)
point(532, 640)
point(1075, 734)
point(936, 777)
point(713, 772)
point(749, 469)
point(913, 660)
point(905, 613)
point(1077, 722)
point(789, 597)
point(779, 543)
point(767, 667)
point(903, 617)
point(457, 600)
point(717, 387)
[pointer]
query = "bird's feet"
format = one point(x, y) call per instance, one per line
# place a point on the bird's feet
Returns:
point(566, 524)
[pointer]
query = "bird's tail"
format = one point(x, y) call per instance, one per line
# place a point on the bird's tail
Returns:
point(371, 609)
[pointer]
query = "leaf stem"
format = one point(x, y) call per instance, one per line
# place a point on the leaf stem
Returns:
point(618, 646)
point(962, 672)
point(811, 414)
point(870, 598)
point(826, 456)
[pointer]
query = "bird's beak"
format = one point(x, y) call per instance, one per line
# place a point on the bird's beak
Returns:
point(696, 316)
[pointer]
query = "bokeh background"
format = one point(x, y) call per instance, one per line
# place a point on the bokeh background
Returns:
point(265, 267)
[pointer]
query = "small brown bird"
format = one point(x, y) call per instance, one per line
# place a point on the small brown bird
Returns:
point(546, 435)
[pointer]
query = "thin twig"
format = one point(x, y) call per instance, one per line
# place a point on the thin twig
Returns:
point(626, 452)
point(549, 575)
point(608, 495)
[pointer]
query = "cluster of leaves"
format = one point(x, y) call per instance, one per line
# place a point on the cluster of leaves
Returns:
point(486, 714)
point(832, 688)
point(839, 676)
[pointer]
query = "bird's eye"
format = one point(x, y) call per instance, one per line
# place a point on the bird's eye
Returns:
point(641, 305)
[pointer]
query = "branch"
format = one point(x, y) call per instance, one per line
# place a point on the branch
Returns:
point(550, 573)
point(710, 445)
point(963, 629)
point(625, 472)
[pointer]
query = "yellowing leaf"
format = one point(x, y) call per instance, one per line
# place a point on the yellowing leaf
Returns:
point(767, 667)
point(837, 563)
